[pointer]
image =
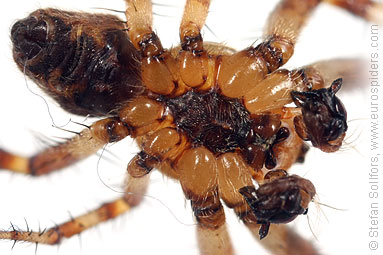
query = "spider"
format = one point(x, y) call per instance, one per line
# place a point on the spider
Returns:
point(55, 219)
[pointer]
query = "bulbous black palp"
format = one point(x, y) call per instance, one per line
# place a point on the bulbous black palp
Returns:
point(324, 118)
point(279, 201)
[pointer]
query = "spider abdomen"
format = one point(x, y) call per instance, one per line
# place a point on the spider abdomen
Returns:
point(85, 62)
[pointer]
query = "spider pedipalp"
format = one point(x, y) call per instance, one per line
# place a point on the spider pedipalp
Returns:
point(279, 200)
point(324, 118)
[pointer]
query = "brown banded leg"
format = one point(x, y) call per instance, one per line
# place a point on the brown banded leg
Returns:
point(282, 30)
point(193, 19)
point(86, 143)
point(136, 185)
point(75, 226)
point(197, 170)
point(139, 21)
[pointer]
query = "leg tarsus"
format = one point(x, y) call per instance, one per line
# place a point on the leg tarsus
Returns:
point(55, 234)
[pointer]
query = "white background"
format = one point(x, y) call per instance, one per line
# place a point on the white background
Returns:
point(340, 178)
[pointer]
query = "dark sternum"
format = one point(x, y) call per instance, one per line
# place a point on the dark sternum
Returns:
point(219, 123)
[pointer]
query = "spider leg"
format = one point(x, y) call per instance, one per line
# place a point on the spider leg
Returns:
point(139, 20)
point(287, 20)
point(197, 170)
point(351, 70)
point(86, 143)
point(137, 179)
point(244, 73)
point(157, 65)
point(252, 65)
point(136, 184)
point(193, 19)
point(367, 9)
point(282, 30)
point(75, 226)
point(212, 234)
point(193, 61)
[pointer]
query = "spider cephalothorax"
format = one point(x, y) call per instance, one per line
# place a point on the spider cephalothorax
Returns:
point(216, 120)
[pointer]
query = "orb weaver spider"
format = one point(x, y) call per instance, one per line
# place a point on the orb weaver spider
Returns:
point(54, 115)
